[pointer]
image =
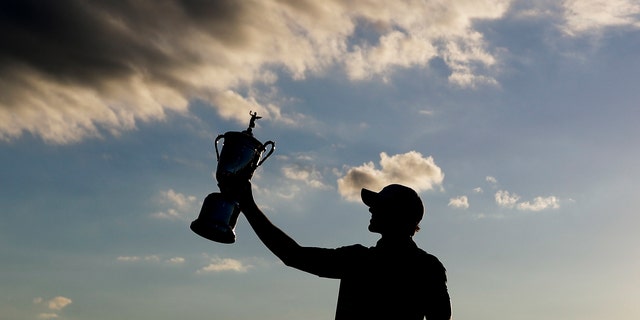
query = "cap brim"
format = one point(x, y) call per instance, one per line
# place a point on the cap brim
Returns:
point(369, 197)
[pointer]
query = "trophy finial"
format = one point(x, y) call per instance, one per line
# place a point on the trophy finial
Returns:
point(252, 122)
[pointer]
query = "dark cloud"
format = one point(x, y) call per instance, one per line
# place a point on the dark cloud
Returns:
point(85, 42)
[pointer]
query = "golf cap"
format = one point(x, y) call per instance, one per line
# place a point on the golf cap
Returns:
point(395, 195)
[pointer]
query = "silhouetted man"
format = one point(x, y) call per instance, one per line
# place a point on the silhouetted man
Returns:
point(393, 280)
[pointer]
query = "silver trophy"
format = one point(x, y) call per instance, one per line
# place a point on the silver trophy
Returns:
point(241, 155)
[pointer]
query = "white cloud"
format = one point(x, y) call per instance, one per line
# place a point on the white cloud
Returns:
point(593, 15)
point(491, 180)
point(47, 316)
point(506, 199)
point(176, 260)
point(411, 169)
point(510, 200)
point(540, 203)
point(225, 264)
point(478, 190)
point(461, 202)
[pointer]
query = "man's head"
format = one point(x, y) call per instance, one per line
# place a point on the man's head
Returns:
point(395, 209)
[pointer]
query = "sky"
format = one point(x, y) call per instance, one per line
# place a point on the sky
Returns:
point(516, 122)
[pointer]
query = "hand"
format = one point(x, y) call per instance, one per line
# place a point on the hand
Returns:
point(237, 189)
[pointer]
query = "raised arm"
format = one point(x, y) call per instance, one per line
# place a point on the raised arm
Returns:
point(283, 246)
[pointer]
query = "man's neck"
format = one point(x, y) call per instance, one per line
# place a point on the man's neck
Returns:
point(396, 240)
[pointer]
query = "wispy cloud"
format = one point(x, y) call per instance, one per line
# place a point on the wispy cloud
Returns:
point(305, 173)
point(151, 258)
point(178, 206)
point(55, 304)
point(58, 303)
point(225, 264)
point(511, 200)
point(411, 169)
point(587, 16)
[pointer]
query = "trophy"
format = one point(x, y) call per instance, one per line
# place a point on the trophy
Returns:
point(241, 155)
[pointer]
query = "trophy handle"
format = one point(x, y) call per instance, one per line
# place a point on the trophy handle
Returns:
point(273, 147)
point(215, 144)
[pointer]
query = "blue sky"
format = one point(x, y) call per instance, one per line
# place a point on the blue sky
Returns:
point(516, 122)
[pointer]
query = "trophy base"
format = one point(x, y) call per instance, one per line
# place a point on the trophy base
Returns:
point(217, 219)
point(214, 232)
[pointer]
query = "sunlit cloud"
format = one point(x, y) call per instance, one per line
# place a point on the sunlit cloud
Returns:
point(461, 202)
point(118, 66)
point(58, 303)
point(225, 264)
point(411, 169)
point(584, 16)
point(55, 304)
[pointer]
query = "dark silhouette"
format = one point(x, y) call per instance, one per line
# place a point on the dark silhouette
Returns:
point(392, 280)
point(252, 122)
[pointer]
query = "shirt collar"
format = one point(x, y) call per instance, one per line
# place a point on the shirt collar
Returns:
point(396, 243)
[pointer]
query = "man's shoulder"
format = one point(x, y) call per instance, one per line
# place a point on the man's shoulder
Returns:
point(353, 248)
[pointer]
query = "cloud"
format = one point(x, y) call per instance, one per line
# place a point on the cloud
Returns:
point(505, 199)
point(176, 260)
point(510, 200)
point(306, 173)
point(72, 69)
point(491, 180)
point(151, 258)
point(584, 16)
point(180, 206)
point(461, 202)
point(411, 169)
point(225, 264)
point(540, 203)
point(56, 304)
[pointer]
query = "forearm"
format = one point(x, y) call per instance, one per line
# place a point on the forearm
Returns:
point(283, 246)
